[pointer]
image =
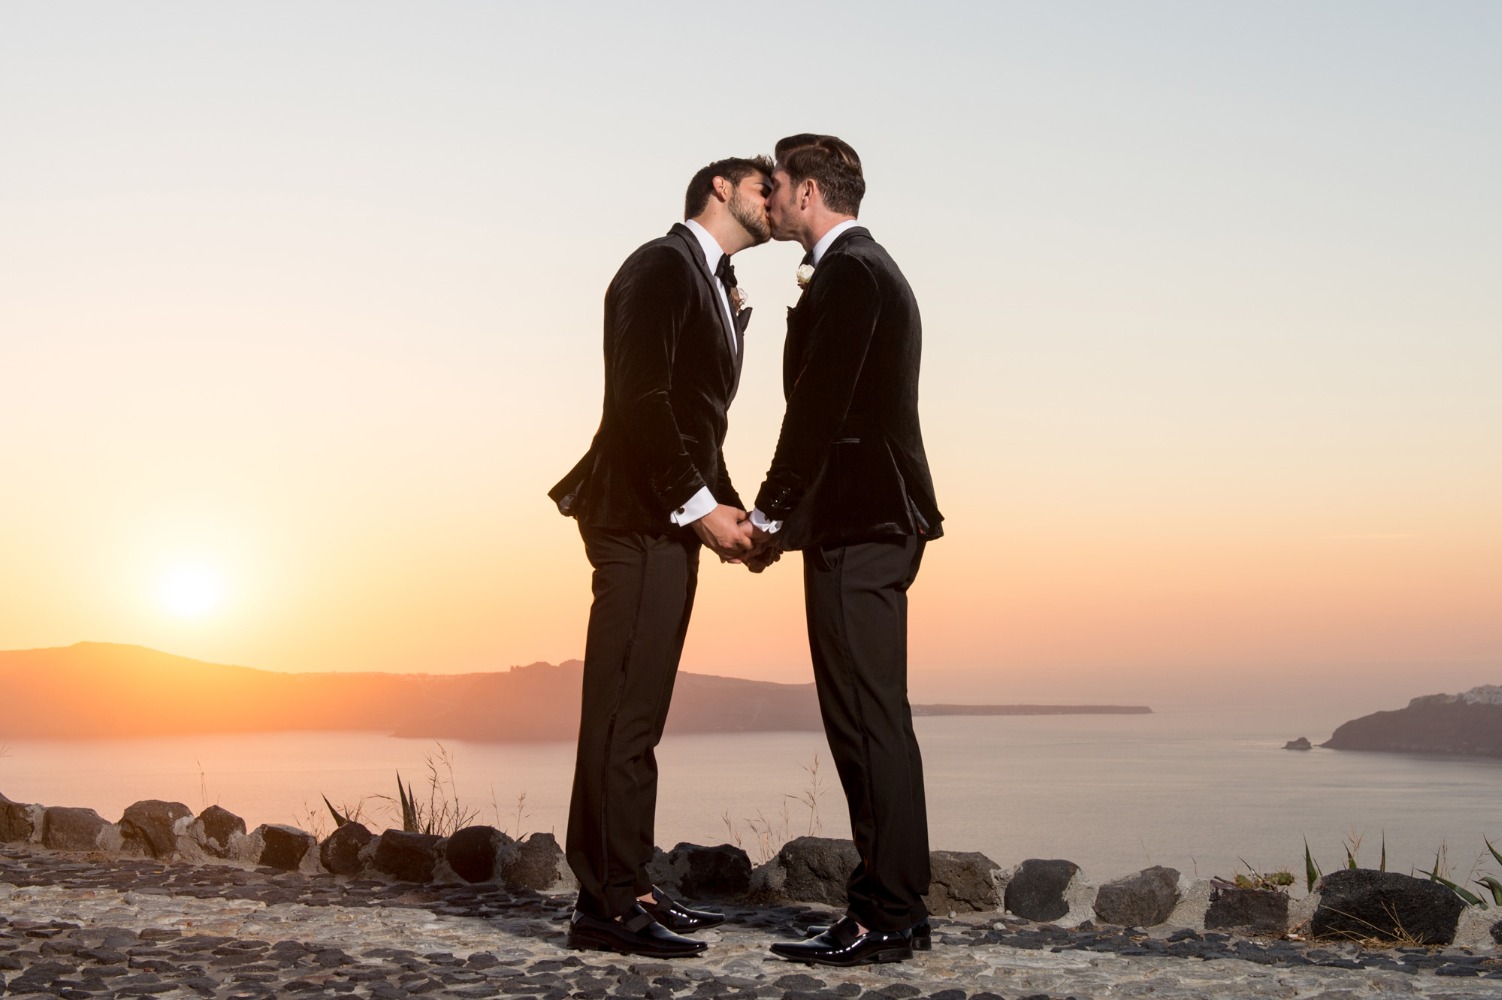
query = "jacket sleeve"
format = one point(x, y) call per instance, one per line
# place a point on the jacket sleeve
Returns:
point(843, 303)
point(724, 490)
point(649, 312)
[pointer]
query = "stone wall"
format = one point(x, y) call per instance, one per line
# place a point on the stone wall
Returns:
point(1348, 904)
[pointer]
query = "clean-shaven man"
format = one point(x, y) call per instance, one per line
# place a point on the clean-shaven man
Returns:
point(650, 492)
point(849, 485)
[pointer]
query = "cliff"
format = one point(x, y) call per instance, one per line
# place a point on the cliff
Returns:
point(100, 690)
point(1468, 724)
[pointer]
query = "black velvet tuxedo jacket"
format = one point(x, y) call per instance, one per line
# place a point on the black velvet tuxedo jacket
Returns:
point(670, 374)
point(850, 464)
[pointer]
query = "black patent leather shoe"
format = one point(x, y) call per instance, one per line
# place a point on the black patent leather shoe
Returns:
point(922, 933)
point(676, 917)
point(636, 933)
point(844, 944)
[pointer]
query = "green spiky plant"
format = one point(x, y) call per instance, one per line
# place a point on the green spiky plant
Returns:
point(1312, 873)
point(441, 814)
point(411, 816)
point(1466, 895)
point(1490, 881)
point(339, 818)
point(1352, 845)
point(1487, 882)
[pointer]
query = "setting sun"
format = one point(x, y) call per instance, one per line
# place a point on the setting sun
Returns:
point(191, 591)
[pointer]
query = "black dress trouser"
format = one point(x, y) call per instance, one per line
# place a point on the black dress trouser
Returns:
point(643, 594)
point(856, 601)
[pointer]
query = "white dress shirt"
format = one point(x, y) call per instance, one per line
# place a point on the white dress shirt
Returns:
point(828, 238)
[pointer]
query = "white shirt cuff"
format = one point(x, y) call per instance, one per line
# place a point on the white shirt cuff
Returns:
point(698, 505)
point(759, 522)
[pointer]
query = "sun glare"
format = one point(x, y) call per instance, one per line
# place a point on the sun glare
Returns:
point(191, 591)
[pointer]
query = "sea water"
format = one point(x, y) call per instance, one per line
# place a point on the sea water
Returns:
point(1209, 791)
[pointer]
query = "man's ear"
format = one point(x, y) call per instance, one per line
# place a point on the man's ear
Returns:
point(808, 192)
point(723, 189)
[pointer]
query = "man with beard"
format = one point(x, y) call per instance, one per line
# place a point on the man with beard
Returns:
point(850, 486)
point(649, 492)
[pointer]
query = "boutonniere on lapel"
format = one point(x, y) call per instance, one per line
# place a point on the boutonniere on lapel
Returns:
point(739, 299)
point(805, 274)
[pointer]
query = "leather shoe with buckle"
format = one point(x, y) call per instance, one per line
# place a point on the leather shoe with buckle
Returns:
point(636, 933)
point(845, 944)
point(678, 918)
point(922, 932)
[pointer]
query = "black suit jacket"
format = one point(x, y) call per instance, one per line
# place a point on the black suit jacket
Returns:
point(850, 464)
point(670, 374)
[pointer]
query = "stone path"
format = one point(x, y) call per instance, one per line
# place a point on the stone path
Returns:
point(101, 926)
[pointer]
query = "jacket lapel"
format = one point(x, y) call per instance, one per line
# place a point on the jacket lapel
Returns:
point(793, 344)
point(696, 252)
point(742, 318)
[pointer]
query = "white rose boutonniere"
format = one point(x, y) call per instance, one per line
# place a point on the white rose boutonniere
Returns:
point(805, 275)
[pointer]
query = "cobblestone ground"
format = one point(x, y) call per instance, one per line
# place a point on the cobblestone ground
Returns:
point(101, 926)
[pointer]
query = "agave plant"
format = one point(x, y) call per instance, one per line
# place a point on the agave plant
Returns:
point(1490, 881)
point(1352, 845)
point(339, 818)
point(411, 818)
point(1312, 874)
point(1487, 882)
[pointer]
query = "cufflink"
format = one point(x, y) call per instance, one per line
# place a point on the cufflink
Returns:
point(682, 510)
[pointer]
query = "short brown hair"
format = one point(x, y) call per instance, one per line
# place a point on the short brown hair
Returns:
point(734, 169)
point(830, 161)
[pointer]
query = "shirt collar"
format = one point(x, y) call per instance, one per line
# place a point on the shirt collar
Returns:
point(712, 249)
point(830, 237)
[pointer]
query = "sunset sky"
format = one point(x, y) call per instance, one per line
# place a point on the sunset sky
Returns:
point(300, 319)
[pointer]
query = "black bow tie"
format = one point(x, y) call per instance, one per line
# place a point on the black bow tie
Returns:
point(725, 272)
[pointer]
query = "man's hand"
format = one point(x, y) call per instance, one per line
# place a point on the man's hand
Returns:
point(724, 531)
point(764, 550)
point(762, 558)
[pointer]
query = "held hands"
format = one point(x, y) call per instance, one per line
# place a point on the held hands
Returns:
point(765, 552)
point(725, 532)
point(729, 533)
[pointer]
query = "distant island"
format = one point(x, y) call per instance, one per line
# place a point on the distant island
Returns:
point(1468, 724)
point(94, 690)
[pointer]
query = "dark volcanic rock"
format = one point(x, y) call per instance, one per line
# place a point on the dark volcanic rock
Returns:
point(1436, 723)
point(340, 851)
point(284, 847)
point(962, 882)
point(153, 825)
point(1361, 903)
point(474, 852)
point(695, 872)
point(806, 870)
point(215, 827)
point(1302, 743)
point(1258, 911)
point(1497, 932)
point(534, 864)
point(16, 822)
point(1141, 900)
point(70, 828)
point(1037, 890)
point(409, 857)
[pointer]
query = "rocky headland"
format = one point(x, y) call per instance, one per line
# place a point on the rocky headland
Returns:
point(103, 690)
point(1468, 724)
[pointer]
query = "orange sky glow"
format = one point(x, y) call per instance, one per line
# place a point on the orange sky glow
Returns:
point(301, 318)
